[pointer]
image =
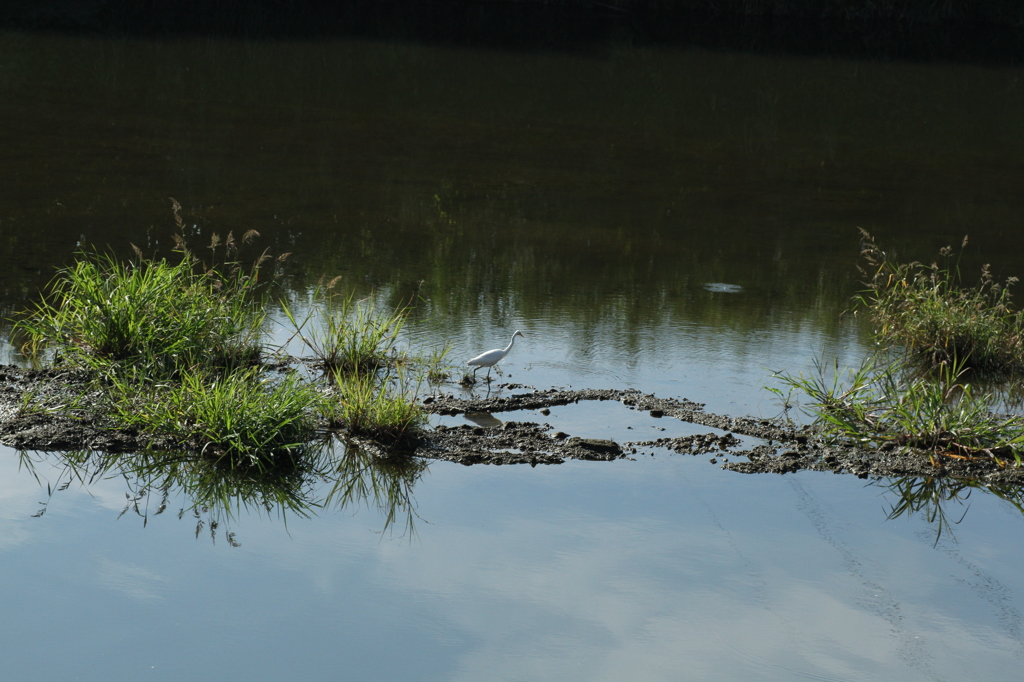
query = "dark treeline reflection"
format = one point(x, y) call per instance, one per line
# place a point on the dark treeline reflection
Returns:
point(327, 476)
point(986, 30)
point(589, 188)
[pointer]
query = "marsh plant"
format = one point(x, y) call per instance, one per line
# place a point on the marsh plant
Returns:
point(930, 312)
point(435, 365)
point(921, 392)
point(174, 351)
point(888, 405)
point(347, 335)
point(380, 406)
point(356, 345)
point(245, 414)
point(103, 314)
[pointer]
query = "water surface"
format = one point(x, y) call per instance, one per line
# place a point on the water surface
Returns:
point(677, 220)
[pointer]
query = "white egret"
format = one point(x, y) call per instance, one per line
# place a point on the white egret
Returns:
point(493, 357)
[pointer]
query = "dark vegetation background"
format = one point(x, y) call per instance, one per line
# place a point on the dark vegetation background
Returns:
point(962, 30)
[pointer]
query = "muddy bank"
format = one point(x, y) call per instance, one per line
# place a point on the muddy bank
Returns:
point(48, 411)
point(783, 448)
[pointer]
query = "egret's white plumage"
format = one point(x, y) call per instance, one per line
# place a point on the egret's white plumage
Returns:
point(493, 357)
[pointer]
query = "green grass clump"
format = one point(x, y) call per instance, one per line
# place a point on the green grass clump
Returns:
point(928, 311)
point(102, 314)
point(174, 350)
point(913, 395)
point(887, 406)
point(374, 406)
point(435, 365)
point(350, 336)
point(243, 414)
point(356, 346)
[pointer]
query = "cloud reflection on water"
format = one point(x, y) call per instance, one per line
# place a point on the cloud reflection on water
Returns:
point(657, 569)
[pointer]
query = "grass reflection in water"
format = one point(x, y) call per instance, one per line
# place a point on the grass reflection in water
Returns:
point(328, 475)
point(932, 496)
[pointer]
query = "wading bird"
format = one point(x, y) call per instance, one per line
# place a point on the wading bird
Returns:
point(492, 357)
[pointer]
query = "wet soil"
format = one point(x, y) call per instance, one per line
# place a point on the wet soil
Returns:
point(39, 411)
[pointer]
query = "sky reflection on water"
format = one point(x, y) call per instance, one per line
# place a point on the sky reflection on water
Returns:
point(654, 569)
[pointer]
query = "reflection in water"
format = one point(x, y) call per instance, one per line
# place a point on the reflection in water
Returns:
point(932, 496)
point(328, 475)
point(484, 419)
point(598, 193)
point(723, 288)
point(384, 482)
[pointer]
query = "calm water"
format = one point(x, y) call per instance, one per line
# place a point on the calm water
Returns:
point(674, 220)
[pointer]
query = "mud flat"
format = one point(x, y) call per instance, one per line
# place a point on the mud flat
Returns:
point(44, 411)
point(784, 448)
